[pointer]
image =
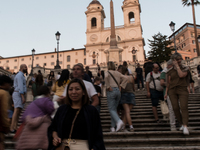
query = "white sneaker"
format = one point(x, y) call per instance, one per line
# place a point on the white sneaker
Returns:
point(120, 125)
point(185, 131)
point(112, 129)
point(181, 128)
point(131, 129)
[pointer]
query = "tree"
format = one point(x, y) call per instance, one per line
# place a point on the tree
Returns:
point(192, 3)
point(160, 48)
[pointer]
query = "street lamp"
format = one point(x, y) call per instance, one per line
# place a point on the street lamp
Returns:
point(57, 62)
point(33, 53)
point(172, 26)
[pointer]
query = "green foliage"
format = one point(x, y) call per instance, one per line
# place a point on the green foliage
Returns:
point(189, 2)
point(160, 48)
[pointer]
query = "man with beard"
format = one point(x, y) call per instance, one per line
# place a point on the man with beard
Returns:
point(18, 96)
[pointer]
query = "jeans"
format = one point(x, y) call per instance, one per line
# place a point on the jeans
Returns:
point(113, 99)
point(140, 78)
point(171, 113)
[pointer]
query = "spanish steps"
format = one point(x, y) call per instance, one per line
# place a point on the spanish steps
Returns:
point(148, 134)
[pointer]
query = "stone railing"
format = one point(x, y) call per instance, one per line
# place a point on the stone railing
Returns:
point(5, 72)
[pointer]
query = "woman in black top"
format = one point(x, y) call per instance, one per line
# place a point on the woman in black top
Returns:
point(86, 132)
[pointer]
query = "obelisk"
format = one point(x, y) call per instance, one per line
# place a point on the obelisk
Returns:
point(113, 51)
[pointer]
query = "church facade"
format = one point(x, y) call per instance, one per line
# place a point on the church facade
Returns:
point(128, 36)
point(129, 41)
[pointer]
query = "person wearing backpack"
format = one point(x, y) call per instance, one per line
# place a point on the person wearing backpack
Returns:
point(154, 89)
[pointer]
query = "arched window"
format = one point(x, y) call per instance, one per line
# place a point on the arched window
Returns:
point(118, 38)
point(107, 40)
point(94, 22)
point(68, 58)
point(94, 61)
point(131, 17)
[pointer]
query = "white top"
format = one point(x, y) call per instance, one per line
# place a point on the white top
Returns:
point(89, 87)
point(58, 77)
point(129, 71)
point(156, 77)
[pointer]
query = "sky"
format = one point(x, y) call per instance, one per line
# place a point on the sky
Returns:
point(28, 24)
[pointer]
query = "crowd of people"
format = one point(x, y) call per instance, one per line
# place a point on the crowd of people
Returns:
point(65, 111)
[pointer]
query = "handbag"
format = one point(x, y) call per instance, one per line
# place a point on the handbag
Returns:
point(164, 108)
point(65, 145)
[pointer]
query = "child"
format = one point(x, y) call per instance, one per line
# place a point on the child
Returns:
point(5, 85)
point(97, 82)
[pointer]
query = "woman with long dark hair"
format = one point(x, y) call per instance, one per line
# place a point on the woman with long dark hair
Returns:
point(37, 84)
point(59, 87)
point(51, 79)
point(76, 125)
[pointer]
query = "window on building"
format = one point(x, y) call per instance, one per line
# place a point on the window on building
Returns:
point(134, 58)
point(52, 56)
point(194, 50)
point(52, 63)
point(192, 34)
point(76, 61)
point(94, 22)
point(183, 37)
point(0, 61)
point(118, 38)
point(84, 52)
point(68, 66)
point(107, 40)
point(60, 55)
point(68, 59)
point(187, 58)
point(7, 68)
point(193, 41)
point(7, 61)
point(131, 17)
point(22, 59)
point(76, 53)
point(15, 67)
point(45, 57)
point(30, 58)
point(60, 62)
point(37, 58)
point(94, 61)
point(85, 61)
point(37, 65)
point(15, 60)
point(45, 64)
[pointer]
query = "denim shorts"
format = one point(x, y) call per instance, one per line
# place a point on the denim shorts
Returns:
point(127, 98)
point(156, 96)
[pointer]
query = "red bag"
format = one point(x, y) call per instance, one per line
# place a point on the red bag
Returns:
point(19, 131)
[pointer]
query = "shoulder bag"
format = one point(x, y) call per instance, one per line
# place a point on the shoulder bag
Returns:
point(65, 145)
point(114, 79)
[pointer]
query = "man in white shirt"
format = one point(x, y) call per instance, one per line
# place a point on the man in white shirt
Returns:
point(78, 72)
point(154, 89)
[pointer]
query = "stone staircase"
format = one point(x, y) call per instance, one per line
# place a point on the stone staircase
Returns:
point(148, 134)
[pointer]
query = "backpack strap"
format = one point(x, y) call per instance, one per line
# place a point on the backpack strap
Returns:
point(151, 74)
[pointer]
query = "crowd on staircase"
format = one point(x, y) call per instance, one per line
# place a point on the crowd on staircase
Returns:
point(65, 111)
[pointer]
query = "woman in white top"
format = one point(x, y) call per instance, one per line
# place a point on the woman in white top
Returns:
point(114, 81)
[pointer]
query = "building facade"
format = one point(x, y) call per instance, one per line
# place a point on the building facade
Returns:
point(129, 39)
point(185, 40)
point(129, 35)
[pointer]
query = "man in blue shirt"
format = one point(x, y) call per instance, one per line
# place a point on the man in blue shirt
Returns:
point(18, 96)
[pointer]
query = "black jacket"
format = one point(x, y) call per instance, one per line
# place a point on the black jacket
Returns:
point(95, 136)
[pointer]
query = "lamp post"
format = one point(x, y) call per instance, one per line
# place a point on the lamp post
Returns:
point(33, 53)
point(172, 26)
point(97, 58)
point(57, 62)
